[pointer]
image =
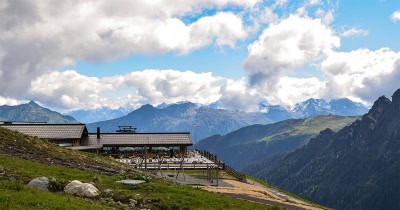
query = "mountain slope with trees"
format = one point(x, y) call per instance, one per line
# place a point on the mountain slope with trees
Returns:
point(355, 168)
point(256, 142)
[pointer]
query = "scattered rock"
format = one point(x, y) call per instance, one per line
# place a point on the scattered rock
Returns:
point(108, 191)
point(81, 189)
point(41, 183)
point(131, 181)
point(132, 203)
point(12, 179)
point(119, 203)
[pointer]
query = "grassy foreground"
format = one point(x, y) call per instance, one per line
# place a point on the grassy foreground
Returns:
point(18, 169)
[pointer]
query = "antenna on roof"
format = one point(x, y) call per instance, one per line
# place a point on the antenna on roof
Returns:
point(126, 129)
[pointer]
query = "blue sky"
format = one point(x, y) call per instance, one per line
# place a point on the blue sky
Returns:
point(91, 54)
point(373, 16)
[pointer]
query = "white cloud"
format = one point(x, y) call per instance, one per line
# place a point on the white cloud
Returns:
point(159, 86)
point(69, 89)
point(48, 35)
point(291, 90)
point(238, 95)
point(314, 2)
point(289, 44)
point(300, 41)
point(76, 91)
point(353, 32)
point(326, 16)
point(10, 101)
point(395, 16)
point(362, 74)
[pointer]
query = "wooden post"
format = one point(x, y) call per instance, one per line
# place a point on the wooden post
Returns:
point(145, 158)
point(217, 171)
point(208, 173)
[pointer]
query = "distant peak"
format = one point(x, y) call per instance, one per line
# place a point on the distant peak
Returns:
point(32, 103)
point(147, 106)
point(396, 97)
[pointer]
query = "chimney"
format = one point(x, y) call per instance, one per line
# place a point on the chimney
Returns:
point(98, 132)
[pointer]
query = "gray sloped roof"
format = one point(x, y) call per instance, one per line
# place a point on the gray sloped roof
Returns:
point(49, 131)
point(138, 139)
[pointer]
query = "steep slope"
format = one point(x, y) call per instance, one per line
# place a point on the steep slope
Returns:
point(202, 121)
point(355, 168)
point(32, 112)
point(256, 142)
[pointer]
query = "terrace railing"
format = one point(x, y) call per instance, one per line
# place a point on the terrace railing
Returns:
point(229, 170)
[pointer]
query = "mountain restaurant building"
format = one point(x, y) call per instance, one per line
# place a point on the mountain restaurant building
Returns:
point(76, 136)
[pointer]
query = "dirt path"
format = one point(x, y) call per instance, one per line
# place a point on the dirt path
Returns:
point(276, 192)
point(258, 194)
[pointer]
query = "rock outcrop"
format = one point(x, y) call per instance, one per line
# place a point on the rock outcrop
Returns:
point(81, 189)
point(41, 183)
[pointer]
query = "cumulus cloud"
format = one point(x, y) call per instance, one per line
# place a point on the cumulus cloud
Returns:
point(291, 43)
point(10, 101)
point(353, 32)
point(40, 36)
point(236, 94)
point(170, 85)
point(290, 90)
point(298, 42)
point(395, 16)
point(362, 74)
point(72, 90)
point(69, 89)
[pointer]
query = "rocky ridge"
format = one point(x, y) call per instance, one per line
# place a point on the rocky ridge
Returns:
point(355, 168)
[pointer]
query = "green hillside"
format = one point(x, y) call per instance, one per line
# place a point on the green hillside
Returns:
point(23, 158)
point(253, 143)
point(312, 126)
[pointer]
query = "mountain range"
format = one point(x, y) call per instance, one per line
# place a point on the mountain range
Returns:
point(95, 115)
point(342, 106)
point(257, 142)
point(309, 108)
point(204, 121)
point(32, 112)
point(355, 168)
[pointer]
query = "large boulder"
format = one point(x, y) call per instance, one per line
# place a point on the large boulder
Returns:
point(41, 183)
point(81, 189)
